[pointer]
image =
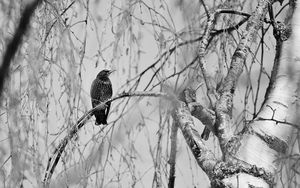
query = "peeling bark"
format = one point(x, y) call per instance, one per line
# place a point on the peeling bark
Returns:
point(224, 104)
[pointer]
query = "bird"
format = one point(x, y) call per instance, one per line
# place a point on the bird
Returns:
point(101, 90)
point(189, 96)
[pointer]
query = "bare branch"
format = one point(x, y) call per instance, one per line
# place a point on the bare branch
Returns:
point(204, 157)
point(224, 104)
point(61, 14)
point(173, 152)
point(53, 160)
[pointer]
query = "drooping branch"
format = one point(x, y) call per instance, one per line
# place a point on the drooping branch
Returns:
point(16, 41)
point(54, 158)
point(61, 14)
point(209, 34)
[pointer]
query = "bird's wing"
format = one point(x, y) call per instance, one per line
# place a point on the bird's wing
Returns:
point(109, 95)
point(107, 109)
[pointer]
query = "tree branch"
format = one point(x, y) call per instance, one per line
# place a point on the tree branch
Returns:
point(16, 41)
point(225, 103)
point(53, 160)
point(173, 152)
point(205, 115)
point(204, 157)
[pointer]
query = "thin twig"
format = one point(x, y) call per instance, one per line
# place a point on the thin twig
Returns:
point(53, 160)
point(173, 152)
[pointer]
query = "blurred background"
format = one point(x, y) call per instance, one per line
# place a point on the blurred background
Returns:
point(152, 45)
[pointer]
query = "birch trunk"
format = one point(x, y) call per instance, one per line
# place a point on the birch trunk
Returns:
point(268, 136)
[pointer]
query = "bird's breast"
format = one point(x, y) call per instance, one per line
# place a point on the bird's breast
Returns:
point(101, 89)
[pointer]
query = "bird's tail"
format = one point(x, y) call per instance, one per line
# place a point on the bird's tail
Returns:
point(100, 118)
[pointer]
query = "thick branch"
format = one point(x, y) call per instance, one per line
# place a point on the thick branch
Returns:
point(205, 115)
point(204, 157)
point(208, 34)
point(268, 135)
point(211, 92)
point(224, 104)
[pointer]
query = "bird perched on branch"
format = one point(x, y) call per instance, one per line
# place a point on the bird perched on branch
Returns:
point(101, 90)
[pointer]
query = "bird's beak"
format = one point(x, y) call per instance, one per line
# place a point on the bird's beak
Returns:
point(111, 72)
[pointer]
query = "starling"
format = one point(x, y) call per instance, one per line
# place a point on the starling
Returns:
point(101, 90)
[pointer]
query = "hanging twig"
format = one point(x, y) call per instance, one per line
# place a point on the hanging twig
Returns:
point(173, 152)
point(53, 160)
